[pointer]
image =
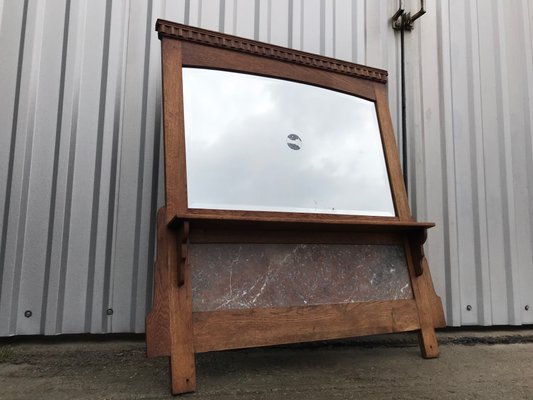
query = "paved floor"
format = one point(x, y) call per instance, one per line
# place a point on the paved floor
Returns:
point(473, 365)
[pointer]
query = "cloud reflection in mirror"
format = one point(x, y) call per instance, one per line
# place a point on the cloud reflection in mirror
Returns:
point(263, 144)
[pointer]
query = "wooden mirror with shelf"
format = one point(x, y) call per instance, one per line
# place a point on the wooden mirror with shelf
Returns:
point(286, 218)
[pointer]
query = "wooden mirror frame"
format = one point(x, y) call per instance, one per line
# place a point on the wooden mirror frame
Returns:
point(172, 328)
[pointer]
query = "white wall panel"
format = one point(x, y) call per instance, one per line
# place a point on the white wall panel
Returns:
point(80, 145)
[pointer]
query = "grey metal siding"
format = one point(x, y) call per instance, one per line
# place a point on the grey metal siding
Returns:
point(80, 146)
point(471, 107)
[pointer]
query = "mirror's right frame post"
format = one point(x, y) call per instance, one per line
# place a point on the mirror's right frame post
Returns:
point(429, 305)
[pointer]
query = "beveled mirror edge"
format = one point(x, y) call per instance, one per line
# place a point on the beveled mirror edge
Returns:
point(198, 35)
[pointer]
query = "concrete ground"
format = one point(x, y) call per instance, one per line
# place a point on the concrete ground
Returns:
point(480, 364)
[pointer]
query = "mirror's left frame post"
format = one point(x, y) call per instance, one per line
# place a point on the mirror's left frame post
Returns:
point(173, 128)
point(182, 359)
point(169, 330)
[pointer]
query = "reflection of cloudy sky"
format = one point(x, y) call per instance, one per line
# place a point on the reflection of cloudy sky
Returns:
point(236, 129)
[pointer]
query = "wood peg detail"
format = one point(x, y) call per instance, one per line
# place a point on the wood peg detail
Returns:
point(417, 249)
point(183, 251)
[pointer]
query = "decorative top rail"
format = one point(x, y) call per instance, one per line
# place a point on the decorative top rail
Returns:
point(216, 39)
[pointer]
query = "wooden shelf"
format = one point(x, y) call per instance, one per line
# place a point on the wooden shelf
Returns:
point(299, 223)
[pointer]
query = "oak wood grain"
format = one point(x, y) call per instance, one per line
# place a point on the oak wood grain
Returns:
point(182, 362)
point(424, 303)
point(275, 220)
point(292, 236)
point(231, 329)
point(173, 128)
point(184, 33)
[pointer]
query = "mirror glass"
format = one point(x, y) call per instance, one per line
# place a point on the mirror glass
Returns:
point(262, 144)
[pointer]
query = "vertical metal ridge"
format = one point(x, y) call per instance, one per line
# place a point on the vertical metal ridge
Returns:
point(114, 182)
point(506, 176)
point(301, 23)
point(1, 16)
point(322, 27)
point(422, 150)
point(461, 108)
point(98, 169)
point(478, 161)
point(257, 19)
point(291, 23)
point(365, 30)
point(234, 16)
point(200, 4)
point(492, 133)
point(355, 34)
point(58, 135)
point(355, 38)
point(14, 129)
point(334, 30)
point(472, 162)
point(484, 216)
point(528, 100)
point(222, 16)
point(358, 32)
point(187, 12)
point(141, 166)
point(269, 21)
point(63, 265)
point(449, 207)
point(451, 189)
point(26, 169)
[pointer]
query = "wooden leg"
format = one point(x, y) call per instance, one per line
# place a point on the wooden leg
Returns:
point(432, 312)
point(425, 302)
point(439, 321)
point(182, 362)
point(428, 343)
point(169, 323)
point(182, 371)
point(426, 336)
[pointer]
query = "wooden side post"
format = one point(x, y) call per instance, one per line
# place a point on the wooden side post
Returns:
point(424, 298)
point(182, 362)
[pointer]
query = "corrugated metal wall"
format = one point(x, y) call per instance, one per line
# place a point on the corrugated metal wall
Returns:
point(471, 104)
point(80, 173)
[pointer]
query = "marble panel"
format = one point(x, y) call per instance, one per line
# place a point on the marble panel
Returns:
point(236, 276)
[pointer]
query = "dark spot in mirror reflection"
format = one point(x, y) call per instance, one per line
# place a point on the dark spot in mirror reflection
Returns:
point(294, 142)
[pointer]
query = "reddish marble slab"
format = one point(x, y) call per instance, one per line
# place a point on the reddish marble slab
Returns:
point(236, 276)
